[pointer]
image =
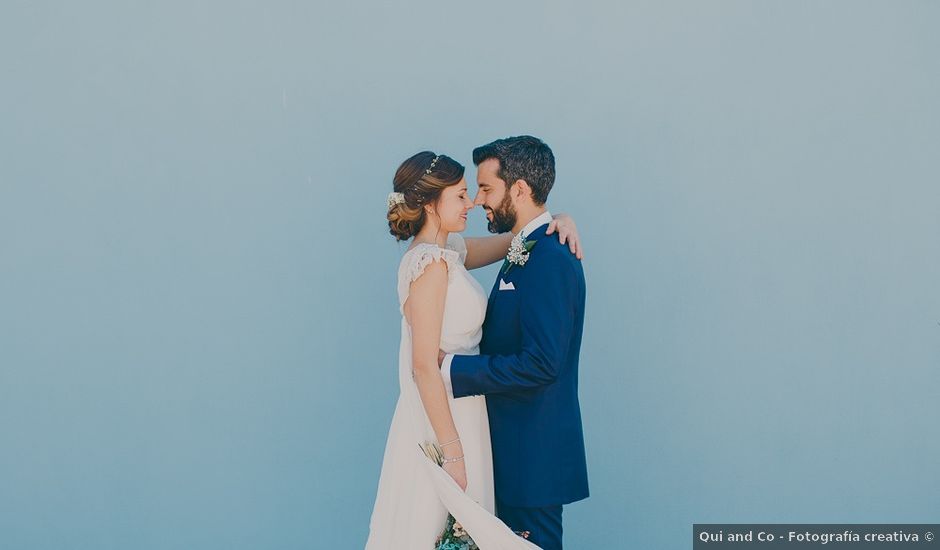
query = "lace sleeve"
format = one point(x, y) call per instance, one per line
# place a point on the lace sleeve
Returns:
point(417, 260)
point(428, 254)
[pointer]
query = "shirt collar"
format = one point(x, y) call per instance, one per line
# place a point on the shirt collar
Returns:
point(541, 219)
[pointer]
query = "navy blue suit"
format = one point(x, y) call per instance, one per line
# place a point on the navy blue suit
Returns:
point(528, 370)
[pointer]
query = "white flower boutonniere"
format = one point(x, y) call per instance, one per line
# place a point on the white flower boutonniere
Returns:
point(518, 253)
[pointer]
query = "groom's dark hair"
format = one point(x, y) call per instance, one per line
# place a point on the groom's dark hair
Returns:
point(522, 158)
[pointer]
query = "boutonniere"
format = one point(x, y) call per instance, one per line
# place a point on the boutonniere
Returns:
point(518, 253)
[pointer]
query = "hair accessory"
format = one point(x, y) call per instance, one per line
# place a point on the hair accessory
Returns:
point(433, 162)
point(395, 198)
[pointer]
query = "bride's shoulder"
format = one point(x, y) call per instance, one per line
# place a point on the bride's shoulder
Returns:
point(417, 258)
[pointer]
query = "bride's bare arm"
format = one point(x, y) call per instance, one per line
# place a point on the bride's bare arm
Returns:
point(483, 251)
point(424, 310)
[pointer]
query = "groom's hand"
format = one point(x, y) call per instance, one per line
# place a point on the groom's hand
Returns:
point(440, 358)
point(567, 232)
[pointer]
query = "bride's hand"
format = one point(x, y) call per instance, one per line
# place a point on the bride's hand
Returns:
point(458, 471)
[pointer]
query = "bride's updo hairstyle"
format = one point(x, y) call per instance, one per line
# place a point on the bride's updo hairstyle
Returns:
point(419, 181)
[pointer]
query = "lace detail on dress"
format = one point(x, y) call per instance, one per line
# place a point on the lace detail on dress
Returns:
point(430, 253)
point(416, 260)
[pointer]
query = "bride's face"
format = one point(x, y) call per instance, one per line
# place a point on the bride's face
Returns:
point(453, 205)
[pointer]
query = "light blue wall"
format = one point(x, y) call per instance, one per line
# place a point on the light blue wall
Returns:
point(198, 326)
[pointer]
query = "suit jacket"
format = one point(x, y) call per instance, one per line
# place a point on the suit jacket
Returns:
point(528, 370)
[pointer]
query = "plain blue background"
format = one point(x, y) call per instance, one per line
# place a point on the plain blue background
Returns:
point(198, 322)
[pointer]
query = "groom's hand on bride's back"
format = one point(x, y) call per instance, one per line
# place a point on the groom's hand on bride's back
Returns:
point(567, 233)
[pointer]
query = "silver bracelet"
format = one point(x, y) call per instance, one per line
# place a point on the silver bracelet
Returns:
point(449, 442)
point(450, 460)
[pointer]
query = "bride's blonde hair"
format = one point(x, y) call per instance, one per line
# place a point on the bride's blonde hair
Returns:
point(420, 180)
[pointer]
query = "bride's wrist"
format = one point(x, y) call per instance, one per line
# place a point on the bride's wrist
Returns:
point(453, 451)
point(452, 447)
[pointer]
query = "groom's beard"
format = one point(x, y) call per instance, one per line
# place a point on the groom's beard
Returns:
point(504, 217)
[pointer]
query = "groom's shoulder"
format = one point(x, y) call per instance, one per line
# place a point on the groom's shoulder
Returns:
point(554, 253)
point(552, 246)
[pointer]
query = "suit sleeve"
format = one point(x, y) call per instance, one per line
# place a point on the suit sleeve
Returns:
point(547, 317)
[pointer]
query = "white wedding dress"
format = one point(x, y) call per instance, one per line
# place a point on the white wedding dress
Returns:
point(415, 494)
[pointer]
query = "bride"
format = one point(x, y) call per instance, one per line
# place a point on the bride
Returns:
point(443, 308)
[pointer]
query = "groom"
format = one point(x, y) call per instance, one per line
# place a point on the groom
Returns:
point(528, 362)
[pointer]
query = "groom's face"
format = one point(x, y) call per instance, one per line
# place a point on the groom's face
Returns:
point(493, 196)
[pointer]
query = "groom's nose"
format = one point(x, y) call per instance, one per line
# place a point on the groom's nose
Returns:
point(478, 200)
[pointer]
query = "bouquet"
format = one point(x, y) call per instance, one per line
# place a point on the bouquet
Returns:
point(453, 537)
